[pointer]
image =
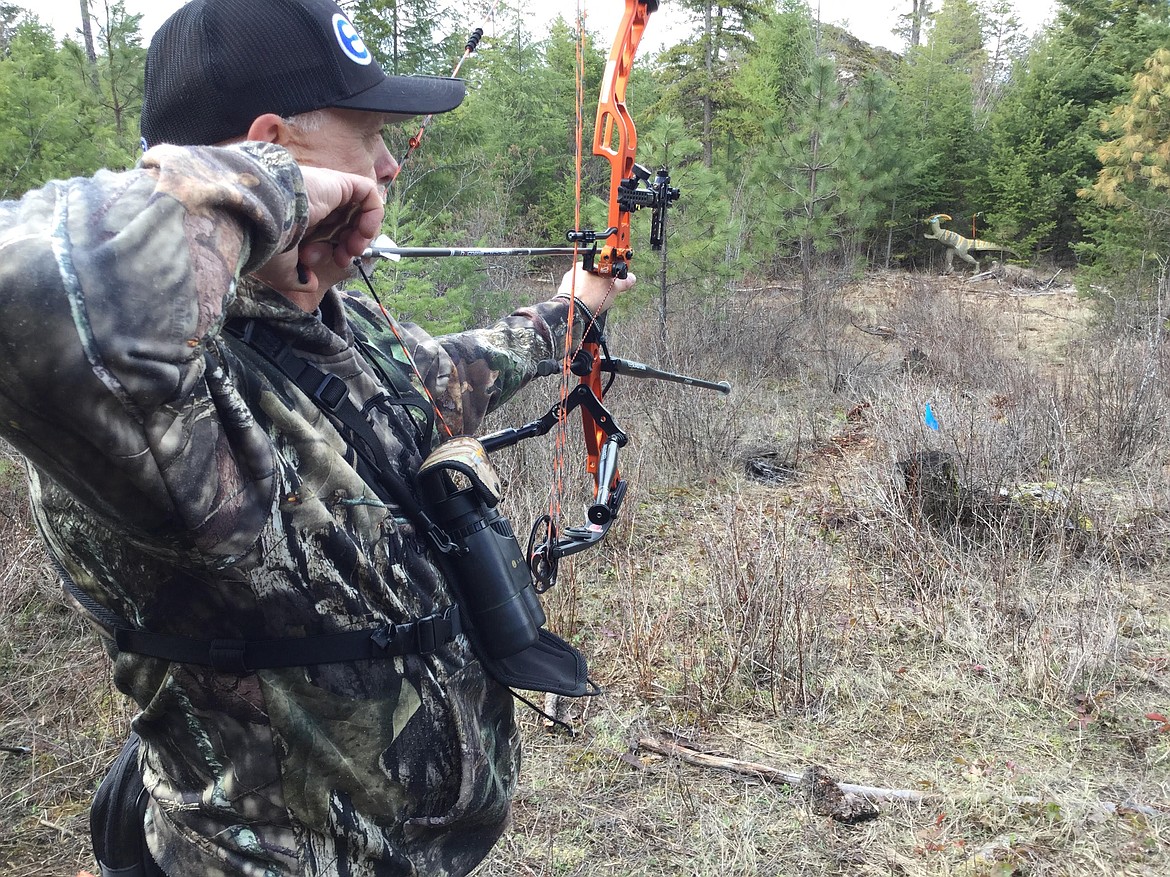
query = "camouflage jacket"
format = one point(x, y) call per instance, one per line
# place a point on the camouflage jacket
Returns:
point(189, 487)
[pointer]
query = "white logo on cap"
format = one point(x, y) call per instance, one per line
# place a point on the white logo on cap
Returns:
point(350, 40)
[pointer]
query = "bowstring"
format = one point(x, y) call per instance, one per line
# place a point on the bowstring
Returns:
point(561, 440)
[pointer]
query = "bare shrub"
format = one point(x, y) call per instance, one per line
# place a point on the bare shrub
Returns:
point(1116, 395)
point(952, 333)
point(1008, 552)
point(749, 332)
point(770, 608)
point(690, 432)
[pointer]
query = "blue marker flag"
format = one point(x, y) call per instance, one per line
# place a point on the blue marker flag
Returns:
point(929, 418)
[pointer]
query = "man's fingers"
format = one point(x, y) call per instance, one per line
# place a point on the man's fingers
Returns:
point(597, 292)
point(341, 204)
point(293, 271)
point(373, 206)
point(334, 225)
point(315, 253)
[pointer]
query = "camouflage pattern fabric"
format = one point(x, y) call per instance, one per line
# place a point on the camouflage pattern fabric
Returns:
point(187, 486)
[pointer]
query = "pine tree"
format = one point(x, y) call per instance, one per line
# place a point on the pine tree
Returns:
point(808, 180)
point(49, 127)
point(121, 63)
point(403, 34)
point(497, 171)
point(882, 168)
point(1134, 181)
point(10, 15)
point(767, 82)
point(699, 69)
point(1138, 157)
point(912, 24)
point(943, 167)
point(1045, 132)
point(1005, 42)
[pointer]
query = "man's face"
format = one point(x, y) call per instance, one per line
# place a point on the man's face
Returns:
point(349, 141)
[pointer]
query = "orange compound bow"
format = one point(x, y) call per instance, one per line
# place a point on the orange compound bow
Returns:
point(631, 188)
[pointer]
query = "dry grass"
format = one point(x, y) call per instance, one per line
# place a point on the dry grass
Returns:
point(996, 635)
point(61, 721)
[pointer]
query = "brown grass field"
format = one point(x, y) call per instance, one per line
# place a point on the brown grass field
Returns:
point(975, 620)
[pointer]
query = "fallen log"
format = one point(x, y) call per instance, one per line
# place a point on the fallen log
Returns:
point(1021, 278)
point(884, 332)
point(764, 771)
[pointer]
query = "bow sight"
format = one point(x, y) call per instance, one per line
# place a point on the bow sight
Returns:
point(657, 195)
point(633, 193)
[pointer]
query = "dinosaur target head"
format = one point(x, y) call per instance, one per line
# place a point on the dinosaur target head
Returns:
point(939, 216)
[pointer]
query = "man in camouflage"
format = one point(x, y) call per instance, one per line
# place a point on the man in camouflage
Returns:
point(193, 489)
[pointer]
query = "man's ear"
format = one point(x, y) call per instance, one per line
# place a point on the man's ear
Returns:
point(269, 128)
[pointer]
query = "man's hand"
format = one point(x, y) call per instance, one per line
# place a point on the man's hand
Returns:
point(345, 215)
point(595, 291)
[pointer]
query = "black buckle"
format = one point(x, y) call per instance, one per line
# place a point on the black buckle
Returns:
point(423, 636)
point(330, 393)
point(384, 636)
point(227, 656)
point(397, 639)
point(427, 634)
point(455, 618)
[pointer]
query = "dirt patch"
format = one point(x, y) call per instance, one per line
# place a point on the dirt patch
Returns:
point(1040, 325)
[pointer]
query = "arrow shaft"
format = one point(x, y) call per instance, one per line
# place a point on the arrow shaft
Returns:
point(434, 252)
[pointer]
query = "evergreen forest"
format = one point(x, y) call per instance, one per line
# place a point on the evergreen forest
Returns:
point(799, 149)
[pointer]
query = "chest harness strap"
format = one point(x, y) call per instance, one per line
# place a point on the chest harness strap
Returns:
point(422, 636)
point(330, 394)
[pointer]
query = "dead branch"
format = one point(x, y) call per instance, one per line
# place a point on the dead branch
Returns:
point(1052, 279)
point(57, 827)
point(766, 772)
point(1045, 313)
point(1020, 278)
point(771, 288)
point(992, 274)
point(875, 793)
point(884, 332)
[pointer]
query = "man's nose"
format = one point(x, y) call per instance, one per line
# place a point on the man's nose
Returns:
point(385, 166)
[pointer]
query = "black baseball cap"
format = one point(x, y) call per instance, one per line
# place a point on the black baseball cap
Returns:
point(215, 65)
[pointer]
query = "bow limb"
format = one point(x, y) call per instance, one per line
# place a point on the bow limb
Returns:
point(616, 139)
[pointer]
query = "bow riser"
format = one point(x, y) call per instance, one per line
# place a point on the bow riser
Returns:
point(615, 138)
